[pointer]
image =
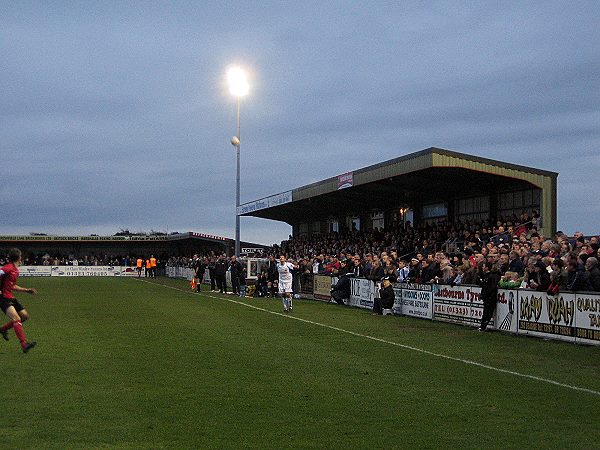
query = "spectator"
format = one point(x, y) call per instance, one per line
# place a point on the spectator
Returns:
point(235, 269)
point(386, 297)
point(220, 273)
point(577, 279)
point(470, 274)
point(515, 264)
point(403, 271)
point(591, 266)
point(489, 292)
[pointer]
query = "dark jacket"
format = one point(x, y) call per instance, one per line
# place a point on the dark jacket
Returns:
point(577, 280)
point(489, 286)
point(471, 277)
point(387, 297)
point(220, 267)
point(516, 265)
point(235, 268)
point(594, 279)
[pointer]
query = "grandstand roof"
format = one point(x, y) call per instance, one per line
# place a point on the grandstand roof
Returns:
point(425, 176)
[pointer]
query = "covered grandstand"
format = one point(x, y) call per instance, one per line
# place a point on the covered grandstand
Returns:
point(427, 186)
point(177, 244)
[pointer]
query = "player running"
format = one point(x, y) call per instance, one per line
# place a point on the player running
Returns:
point(9, 304)
point(285, 282)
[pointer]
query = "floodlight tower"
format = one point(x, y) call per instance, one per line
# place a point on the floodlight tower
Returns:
point(238, 86)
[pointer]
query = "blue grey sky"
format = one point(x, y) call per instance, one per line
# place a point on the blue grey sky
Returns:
point(116, 114)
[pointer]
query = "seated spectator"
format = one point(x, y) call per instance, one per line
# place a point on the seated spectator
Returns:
point(386, 297)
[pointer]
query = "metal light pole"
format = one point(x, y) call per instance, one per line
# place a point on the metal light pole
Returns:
point(237, 184)
point(238, 85)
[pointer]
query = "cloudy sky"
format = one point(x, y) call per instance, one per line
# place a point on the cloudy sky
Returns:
point(116, 115)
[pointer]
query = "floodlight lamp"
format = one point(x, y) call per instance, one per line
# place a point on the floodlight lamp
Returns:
point(238, 84)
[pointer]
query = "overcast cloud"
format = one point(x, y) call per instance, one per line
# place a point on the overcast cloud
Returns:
point(116, 115)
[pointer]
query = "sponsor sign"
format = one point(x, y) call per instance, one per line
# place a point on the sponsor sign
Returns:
point(346, 180)
point(35, 271)
point(505, 318)
point(587, 318)
point(264, 203)
point(85, 271)
point(322, 287)
point(546, 315)
point(458, 304)
point(362, 293)
point(126, 271)
point(415, 300)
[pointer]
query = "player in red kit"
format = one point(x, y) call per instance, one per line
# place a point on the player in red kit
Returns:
point(9, 304)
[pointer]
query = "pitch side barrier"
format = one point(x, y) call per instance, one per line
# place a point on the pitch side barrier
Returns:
point(572, 317)
point(77, 271)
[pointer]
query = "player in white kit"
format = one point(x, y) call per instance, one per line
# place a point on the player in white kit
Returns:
point(285, 282)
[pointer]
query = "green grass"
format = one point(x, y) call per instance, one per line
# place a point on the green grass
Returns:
point(122, 363)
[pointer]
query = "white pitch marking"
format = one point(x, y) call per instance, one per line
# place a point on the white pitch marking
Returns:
point(408, 347)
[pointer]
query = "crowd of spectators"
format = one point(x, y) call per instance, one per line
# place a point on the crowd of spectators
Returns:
point(46, 259)
point(445, 253)
point(442, 252)
point(455, 253)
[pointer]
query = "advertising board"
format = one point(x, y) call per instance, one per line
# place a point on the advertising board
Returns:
point(416, 300)
point(458, 304)
point(546, 315)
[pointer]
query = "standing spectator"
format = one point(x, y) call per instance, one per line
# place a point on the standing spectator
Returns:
point(577, 279)
point(199, 266)
point(152, 266)
point(220, 272)
point(403, 271)
point(591, 265)
point(139, 263)
point(235, 268)
point(376, 272)
point(242, 282)
point(489, 293)
point(470, 274)
point(262, 286)
point(515, 264)
point(211, 273)
point(538, 277)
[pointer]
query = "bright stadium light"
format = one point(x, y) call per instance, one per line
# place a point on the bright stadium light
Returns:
point(238, 83)
point(239, 87)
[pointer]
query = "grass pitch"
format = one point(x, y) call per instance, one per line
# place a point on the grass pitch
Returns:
point(124, 363)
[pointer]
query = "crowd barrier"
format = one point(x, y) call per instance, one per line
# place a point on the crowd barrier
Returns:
point(77, 271)
point(572, 317)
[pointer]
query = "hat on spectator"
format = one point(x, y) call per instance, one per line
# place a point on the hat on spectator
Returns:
point(385, 278)
point(414, 259)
